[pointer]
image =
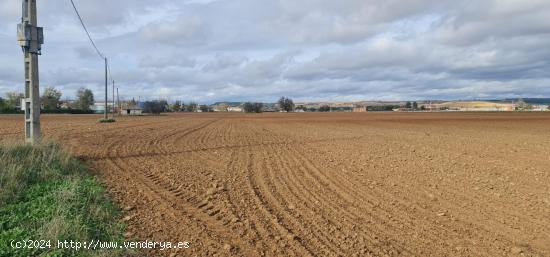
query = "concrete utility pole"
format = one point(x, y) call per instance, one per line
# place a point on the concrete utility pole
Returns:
point(114, 109)
point(106, 102)
point(30, 39)
point(117, 100)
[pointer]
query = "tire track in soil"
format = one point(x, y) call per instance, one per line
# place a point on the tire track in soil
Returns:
point(164, 191)
point(257, 228)
point(298, 150)
point(276, 170)
point(448, 227)
point(304, 161)
point(308, 188)
point(376, 203)
point(267, 218)
point(303, 192)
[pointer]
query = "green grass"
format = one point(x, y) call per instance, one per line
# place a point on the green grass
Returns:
point(109, 120)
point(45, 194)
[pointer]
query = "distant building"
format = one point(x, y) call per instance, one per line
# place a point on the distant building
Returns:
point(67, 104)
point(540, 108)
point(99, 107)
point(220, 107)
point(131, 111)
point(234, 109)
point(476, 106)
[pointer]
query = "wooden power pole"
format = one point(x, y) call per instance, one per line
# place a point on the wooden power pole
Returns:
point(30, 39)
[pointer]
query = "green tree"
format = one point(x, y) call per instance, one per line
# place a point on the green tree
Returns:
point(286, 104)
point(415, 105)
point(2, 103)
point(176, 107)
point(85, 99)
point(408, 105)
point(51, 98)
point(13, 100)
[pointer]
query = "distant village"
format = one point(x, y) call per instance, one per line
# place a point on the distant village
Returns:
point(533, 105)
point(52, 102)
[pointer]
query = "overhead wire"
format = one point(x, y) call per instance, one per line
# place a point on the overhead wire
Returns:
point(86, 30)
point(93, 43)
point(90, 38)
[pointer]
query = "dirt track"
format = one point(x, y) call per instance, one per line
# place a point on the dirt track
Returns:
point(458, 184)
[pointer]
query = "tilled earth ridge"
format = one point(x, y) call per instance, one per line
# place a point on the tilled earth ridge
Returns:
point(336, 184)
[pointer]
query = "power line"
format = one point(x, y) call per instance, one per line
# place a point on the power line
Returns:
point(109, 69)
point(85, 29)
point(107, 66)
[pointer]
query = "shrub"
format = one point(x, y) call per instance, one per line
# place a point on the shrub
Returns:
point(109, 120)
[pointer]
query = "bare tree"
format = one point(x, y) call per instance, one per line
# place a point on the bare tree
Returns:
point(253, 107)
point(324, 108)
point(154, 107)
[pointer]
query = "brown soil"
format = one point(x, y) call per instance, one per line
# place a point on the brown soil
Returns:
point(387, 184)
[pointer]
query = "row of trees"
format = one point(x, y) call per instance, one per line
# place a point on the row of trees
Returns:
point(160, 106)
point(285, 104)
point(412, 105)
point(180, 106)
point(50, 100)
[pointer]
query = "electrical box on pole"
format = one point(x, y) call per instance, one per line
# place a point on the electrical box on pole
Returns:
point(30, 39)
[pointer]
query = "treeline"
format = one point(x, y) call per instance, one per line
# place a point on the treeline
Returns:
point(161, 106)
point(50, 102)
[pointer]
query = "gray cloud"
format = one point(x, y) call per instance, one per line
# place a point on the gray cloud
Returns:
point(311, 50)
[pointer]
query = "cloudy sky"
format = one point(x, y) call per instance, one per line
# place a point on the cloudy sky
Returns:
point(208, 50)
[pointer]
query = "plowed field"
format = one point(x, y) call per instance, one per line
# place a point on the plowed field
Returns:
point(337, 184)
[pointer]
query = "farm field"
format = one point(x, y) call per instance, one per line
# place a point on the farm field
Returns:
point(314, 184)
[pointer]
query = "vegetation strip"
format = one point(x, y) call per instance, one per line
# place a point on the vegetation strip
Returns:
point(45, 194)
